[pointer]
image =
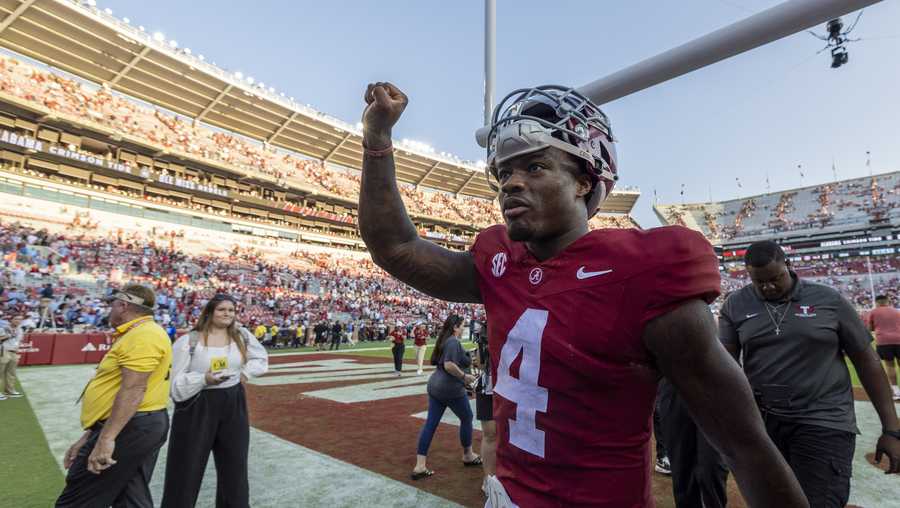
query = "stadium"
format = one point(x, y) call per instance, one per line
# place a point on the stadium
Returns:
point(844, 233)
point(127, 159)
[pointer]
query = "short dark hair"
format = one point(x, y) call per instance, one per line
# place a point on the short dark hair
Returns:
point(760, 254)
point(881, 298)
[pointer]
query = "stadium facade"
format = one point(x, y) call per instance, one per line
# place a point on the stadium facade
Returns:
point(91, 102)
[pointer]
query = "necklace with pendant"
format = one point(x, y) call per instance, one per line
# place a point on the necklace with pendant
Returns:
point(769, 309)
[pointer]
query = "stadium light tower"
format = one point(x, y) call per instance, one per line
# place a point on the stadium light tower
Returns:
point(759, 29)
point(490, 57)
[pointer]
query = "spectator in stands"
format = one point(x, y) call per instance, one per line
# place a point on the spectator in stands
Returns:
point(484, 405)
point(123, 410)
point(420, 338)
point(10, 338)
point(398, 349)
point(321, 331)
point(447, 388)
point(297, 340)
point(209, 366)
point(792, 336)
point(337, 335)
point(172, 331)
point(884, 320)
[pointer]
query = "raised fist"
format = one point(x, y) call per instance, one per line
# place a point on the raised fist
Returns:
point(384, 105)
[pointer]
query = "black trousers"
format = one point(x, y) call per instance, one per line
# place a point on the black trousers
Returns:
point(821, 458)
point(699, 473)
point(335, 343)
point(214, 420)
point(126, 484)
point(658, 430)
point(397, 351)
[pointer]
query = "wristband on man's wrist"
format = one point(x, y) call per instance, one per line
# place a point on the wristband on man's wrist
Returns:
point(893, 433)
point(369, 152)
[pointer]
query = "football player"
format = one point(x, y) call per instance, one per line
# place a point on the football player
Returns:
point(580, 323)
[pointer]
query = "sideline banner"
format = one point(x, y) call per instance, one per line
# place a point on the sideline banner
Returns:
point(36, 349)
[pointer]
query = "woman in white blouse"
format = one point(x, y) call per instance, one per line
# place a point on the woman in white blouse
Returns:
point(208, 367)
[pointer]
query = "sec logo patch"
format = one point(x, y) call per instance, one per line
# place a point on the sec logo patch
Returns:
point(498, 264)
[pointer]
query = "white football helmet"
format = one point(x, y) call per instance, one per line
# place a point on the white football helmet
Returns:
point(532, 119)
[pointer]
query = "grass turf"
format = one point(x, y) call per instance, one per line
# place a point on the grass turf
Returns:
point(31, 476)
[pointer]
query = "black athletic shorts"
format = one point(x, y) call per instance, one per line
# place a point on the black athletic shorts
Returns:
point(889, 352)
point(484, 407)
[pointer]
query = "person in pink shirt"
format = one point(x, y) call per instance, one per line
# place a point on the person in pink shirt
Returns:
point(884, 320)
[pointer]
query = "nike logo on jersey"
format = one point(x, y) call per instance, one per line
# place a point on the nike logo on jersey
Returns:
point(752, 315)
point(581, 274)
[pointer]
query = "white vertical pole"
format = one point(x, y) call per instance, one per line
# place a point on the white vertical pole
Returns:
point(490, 57)
point(871, 283)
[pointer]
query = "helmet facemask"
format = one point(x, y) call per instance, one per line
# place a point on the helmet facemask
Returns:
point(530, 120)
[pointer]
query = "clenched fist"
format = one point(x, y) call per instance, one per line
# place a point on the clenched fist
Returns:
point(384, 105)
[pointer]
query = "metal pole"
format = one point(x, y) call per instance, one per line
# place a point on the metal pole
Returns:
point(490, 57)
point(871, 282)
point(762, 28)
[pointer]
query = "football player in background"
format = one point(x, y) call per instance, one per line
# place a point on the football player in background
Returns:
point(580, 323)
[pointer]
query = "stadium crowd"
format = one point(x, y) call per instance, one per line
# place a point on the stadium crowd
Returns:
point(103, 107)
point(299, 292)
point(287, 296)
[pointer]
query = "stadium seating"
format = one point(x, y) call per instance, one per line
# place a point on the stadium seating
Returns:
point(274, 288)
point(100, 106)
point(834, 205)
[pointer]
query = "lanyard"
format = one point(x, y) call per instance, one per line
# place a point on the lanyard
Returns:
point(136, 323)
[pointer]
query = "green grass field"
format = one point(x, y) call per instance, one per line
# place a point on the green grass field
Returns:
point(31, 477)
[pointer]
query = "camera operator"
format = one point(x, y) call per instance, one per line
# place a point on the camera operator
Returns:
point(484, 400)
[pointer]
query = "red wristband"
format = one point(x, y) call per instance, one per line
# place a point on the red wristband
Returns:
point(377, 153)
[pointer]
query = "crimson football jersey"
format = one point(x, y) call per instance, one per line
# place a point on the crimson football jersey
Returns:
point(575, 386)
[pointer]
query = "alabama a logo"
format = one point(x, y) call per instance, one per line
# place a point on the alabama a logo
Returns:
point(498, 264)
point(536, 276)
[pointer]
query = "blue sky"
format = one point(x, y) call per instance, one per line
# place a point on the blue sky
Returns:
point(763, 112)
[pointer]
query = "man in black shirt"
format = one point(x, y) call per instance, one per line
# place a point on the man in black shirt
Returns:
point(337, 334)
point(792, 336)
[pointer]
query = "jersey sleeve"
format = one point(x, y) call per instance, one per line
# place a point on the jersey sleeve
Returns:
point(727, 332)
point(486, 245)
point(681, 266)
point(853, 335)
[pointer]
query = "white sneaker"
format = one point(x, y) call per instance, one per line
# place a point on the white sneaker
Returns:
point(663, 466)
point(13, 395)
point(896, 393)
point(2, 397)
point(419, 372)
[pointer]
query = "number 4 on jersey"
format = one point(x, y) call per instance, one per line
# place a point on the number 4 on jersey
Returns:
point(524, 338)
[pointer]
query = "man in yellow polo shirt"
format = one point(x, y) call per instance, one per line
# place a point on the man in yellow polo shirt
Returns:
point(123, 410)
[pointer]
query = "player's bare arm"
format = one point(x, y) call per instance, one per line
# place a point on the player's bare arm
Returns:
point(385, 226)
point(873, 379)
point(718, 395)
